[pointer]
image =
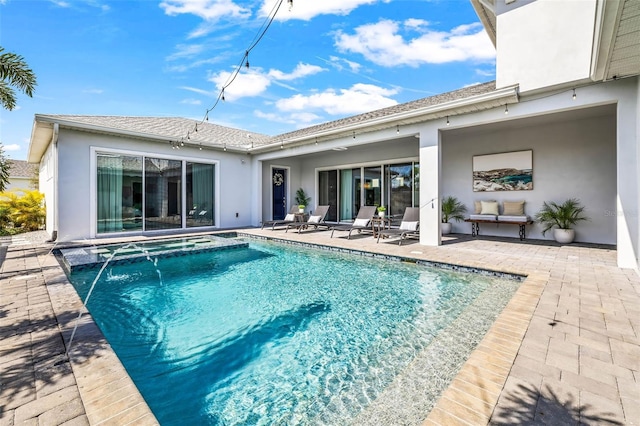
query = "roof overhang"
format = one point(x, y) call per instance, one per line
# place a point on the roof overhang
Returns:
point(496, 98)
point(616, 43)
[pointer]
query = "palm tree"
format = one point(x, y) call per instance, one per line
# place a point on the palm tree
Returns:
point(14, 71)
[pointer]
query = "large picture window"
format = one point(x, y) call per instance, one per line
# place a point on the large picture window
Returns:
point(137, 193)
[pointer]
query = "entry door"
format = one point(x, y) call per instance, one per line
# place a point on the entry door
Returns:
point(279, 201)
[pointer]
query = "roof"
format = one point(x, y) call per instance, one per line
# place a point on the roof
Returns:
point(21, 169)
point(175, 129)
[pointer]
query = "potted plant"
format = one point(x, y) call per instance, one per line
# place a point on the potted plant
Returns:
point(302, 199)
point(563, 217)
point(452, 209)
point(381, 211)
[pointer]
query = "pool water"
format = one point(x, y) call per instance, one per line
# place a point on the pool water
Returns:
point(273, 334)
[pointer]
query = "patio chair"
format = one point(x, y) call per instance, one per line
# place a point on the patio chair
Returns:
point(315, 220)
point(362, 223)
point(289, 218)
point(409, 227)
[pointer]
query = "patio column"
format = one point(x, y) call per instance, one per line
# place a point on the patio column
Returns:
point(429, 188)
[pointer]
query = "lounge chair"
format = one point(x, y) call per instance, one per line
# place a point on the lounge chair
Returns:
point(362, 223)
point(315, 220)
point(289, 218)
point(409, 227)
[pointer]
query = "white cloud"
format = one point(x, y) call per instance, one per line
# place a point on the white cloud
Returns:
point(486, 73)
point(209, 10)
point(61, 3)
point(246, 84)
point(357, 99)
point(191, 101)
point(301, 70)
point(384, 44)
point(185, 51)
point(299, 119)
point(308, 9)
point(12, 147)
point(93, 91)
point(199, 91)
point(340, 63)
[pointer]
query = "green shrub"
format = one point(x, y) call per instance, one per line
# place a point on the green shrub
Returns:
point(26, 212)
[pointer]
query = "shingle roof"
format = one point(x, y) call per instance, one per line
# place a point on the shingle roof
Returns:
point(175, 128)
point(21, 169)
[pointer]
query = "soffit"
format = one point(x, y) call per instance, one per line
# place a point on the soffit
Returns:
point(624, 60)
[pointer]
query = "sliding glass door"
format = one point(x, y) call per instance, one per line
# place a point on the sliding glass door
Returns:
point(200, 194)
point(395, 186)
point(169, 192)
point(162, 194)
point(119, 193)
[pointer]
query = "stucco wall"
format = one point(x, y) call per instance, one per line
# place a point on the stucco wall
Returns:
point(526, 34)
point(46, 185)
point(75, 196)
point(571, 159)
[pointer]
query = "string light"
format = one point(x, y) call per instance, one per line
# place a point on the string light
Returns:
point(447, 120)
point(354, 134)
point(397, 129)
point(574, 95)
point(225, 147)
point(506, 109)
point(316, 141)
point(282, 145)
point(244, 62)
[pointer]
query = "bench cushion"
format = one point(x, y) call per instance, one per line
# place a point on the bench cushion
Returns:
point(482, 217)
point(511, 218)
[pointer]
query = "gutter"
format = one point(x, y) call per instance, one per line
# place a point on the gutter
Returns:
point(54, 142)
point(508, 94)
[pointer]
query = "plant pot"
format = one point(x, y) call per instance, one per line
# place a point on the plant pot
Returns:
point(381, 214)
point(564, 236)
point(301, 210)
point(445, 228)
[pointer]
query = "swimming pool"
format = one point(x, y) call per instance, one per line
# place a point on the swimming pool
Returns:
point(273, 334)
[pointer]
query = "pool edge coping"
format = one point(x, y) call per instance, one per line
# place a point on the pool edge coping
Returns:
point(445, 411)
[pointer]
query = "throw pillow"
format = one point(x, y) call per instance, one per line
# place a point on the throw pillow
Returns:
point(513, 208)
point(477, 206)
point(409, 226)
point(361, 222)
point(489, 207)
point(290, 217)
point(314, 219)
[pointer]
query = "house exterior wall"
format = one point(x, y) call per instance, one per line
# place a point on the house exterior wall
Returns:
point(18, 185)
point(571, 159)
point(304, 170)
point(46, 185)
point(76, 179)
point(544, 43)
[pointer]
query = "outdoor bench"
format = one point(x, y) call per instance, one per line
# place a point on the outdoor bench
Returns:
point(521, 221)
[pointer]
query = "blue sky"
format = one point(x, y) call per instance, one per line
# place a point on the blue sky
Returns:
point(319, 61)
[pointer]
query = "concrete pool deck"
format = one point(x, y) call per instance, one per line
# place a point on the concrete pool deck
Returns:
point(565, 350)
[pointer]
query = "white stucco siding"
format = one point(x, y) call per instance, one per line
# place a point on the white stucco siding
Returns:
point(76, 179)
point(628, 174)
point(571, 159)
point(46, 185)
point(545, 43)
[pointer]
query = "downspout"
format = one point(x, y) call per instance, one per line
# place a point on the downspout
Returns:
point(54, 142)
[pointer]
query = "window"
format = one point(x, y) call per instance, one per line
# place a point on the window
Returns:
point(171, 198)
point(200, 194)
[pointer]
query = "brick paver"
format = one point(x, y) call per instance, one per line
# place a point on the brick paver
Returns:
point(565, 350)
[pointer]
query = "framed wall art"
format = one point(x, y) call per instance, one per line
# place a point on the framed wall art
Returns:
point(507, 171)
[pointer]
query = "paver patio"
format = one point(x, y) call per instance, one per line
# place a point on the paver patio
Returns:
point(565, 350)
